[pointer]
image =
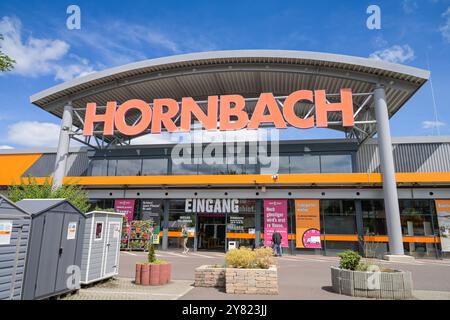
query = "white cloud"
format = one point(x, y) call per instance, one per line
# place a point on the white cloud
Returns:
point(409, 6)
point(432, 124)
point(6, 147)
point(37, 57)
point(395, 54)
point(445, 28)
point(34, 134)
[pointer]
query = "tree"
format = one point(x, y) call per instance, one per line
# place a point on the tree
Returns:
point(6, 63)
point(31, 189)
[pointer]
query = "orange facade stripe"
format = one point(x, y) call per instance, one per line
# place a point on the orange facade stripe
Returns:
point(283, 179)
point(241, 236)
point(347, 238)
point(13, 166)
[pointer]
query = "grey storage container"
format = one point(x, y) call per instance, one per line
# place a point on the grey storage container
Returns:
point(55, 248)
point(101, 246)
point(14, 234)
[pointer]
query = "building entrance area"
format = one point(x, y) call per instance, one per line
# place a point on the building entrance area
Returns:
point(211, 231)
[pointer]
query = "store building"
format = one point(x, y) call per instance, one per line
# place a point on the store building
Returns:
point(324, 196)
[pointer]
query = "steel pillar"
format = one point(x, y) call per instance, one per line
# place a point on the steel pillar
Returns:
point(63, 147)
point(388, 171)
point(165, 239)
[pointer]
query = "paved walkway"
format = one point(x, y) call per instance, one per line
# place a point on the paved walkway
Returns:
point(301, 277)
point(125, 289)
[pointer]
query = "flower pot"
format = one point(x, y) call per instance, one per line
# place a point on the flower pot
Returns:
point(164, 273)
point(145, 275)
point(137, 275)
point(154, 274)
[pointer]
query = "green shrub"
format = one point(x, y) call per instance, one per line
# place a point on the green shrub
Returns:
point(29, 188)
point(246, 258)
point(264, 258)
point(151, 253)
point(362, 266)
point(349, 260)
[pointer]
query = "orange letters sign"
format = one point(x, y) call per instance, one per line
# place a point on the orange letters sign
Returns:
point(229, 109)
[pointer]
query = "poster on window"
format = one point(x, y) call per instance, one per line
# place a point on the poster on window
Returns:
point(275, 218)
point(307, 224)
point(443, 215)
point(151, 211)
point(125, 206)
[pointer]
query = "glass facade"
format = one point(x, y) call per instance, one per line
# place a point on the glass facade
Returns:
point(374, 217)
point(177, 219)
point(288, 164)
point(339, 216)
point(338, 220)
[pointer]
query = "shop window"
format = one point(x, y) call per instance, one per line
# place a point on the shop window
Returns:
point(112, 166)
point(304, 164)
point(333, 248)
point(236, 169)
point(129, 167)
point(374, 217)
point(339, 216)
point(99, 168)
point(184, 169)
point(243, 223)
point(284, 165)
point(418, 218)
point(98, 231)
point(336, 164)
point(177, 218)
point(154, 167)
point(207, 166)
point(250, 169)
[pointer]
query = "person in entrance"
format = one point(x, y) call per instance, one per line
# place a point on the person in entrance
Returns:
point(185, 235)
point(276, 240)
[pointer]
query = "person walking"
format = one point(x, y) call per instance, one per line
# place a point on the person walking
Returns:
point(185, 235)
point(276, 239)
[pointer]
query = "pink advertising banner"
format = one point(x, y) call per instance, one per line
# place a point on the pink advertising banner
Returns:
point(125, 206)
point(275, 218)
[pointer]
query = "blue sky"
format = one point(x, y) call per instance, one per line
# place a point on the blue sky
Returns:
point(116, 32)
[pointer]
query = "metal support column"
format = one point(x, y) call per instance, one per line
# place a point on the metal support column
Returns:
point(388, 170)
point(258, 209)
point(360, 226)
point(165, 239)
point(63, 147)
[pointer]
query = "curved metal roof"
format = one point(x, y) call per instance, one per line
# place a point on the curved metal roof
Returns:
point(245, 72)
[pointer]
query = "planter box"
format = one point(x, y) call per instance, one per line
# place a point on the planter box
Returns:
point(208, 276)
point(382, 285)
point(153, 274)
point(238, 281)
point(251, 281)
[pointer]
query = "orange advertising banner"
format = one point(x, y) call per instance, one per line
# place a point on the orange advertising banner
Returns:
point(307, 224)
point(443, 215)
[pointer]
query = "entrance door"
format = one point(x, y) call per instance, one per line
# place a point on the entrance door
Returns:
point(112, 248)
point(211, 232)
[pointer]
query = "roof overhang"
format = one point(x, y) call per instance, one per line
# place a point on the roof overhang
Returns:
point(244, 72)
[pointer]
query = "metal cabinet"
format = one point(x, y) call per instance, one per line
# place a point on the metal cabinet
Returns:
point(14, 234)
point(55, 248)
point(101, 246)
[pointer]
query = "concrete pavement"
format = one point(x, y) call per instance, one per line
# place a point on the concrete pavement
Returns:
point(300, 277)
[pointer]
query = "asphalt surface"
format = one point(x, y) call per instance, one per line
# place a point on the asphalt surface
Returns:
point(300, 277)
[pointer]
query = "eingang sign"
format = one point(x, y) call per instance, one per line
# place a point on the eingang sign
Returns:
point(229, 109)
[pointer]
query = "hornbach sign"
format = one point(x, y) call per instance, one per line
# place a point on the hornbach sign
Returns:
point(229, 109)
